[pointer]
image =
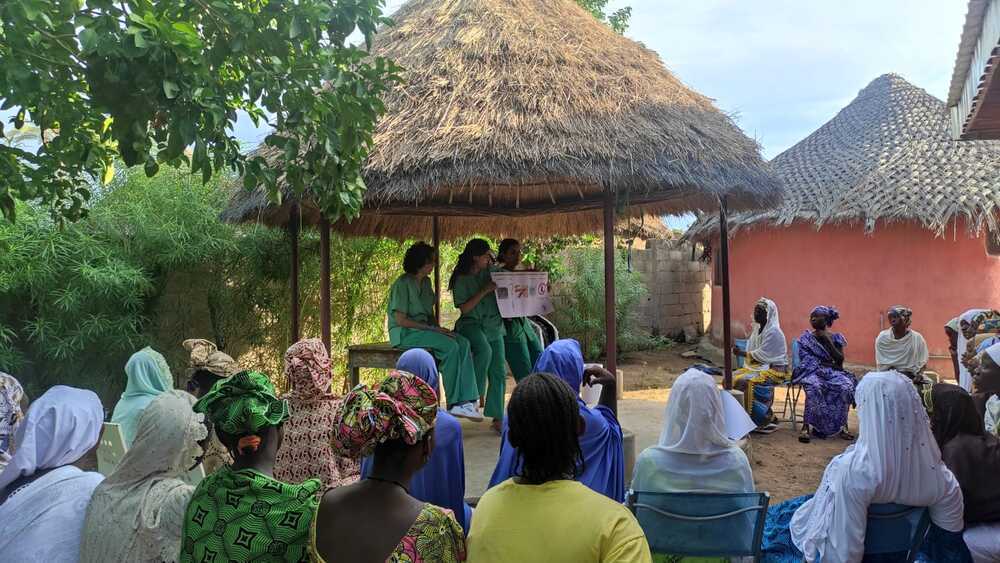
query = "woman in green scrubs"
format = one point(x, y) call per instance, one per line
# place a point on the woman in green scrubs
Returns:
point(412, 324)
point(474, 294)
point(521, 342)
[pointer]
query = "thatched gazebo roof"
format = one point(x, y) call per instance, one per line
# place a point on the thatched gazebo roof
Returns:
point(515, 108)
point(887, 156)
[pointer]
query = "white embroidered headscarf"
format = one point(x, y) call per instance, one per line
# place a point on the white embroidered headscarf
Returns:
point(137, 513)
point(767, 343)
point(895, 460)
point(968, 317)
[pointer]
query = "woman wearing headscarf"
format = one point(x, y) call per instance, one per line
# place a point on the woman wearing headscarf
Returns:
point(766, 364)
point(241, 512)
point(601, 442)
point(693, 452)
point(521, 343)
point(968, 323)
point(13, 403)
point(829, 388)
point(986, 388)
point(137, 513)
point(43, 497)
point(973, 456)
point(895, 460)
point(206, 367)
point(377, 519)
point(901, 348)
point(148, 375)
point(305, 451)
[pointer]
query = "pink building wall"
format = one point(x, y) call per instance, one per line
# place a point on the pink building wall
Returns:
point(862, 275)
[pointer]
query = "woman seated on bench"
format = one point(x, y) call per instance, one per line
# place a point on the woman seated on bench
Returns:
point(413, 324)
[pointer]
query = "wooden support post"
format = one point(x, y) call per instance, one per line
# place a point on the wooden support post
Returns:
point(436, 242)
point(324, 282)
point(610, 321)
point(727, 313)
point(294, 227)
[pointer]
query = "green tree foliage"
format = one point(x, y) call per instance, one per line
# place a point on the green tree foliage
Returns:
point(617, 20)
point(152, 265)
point(142, 80)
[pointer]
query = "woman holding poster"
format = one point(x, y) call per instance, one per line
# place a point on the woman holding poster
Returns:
point(521, 342)
point(474, 294)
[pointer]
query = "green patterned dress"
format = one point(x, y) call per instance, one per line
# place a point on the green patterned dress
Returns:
point(247, 516)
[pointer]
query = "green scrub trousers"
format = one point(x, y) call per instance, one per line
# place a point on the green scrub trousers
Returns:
point(490, 363)
point(522, 348)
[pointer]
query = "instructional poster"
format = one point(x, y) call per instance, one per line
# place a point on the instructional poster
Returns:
point(523, 294)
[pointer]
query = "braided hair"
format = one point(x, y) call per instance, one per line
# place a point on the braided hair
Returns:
point(473, 248)
point(543, 417)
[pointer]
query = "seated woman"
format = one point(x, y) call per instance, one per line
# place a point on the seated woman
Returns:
point(137, 513)
point(521, 342)
point(412, 324)
point(542, 513)
point(603, 469)
point(766, 364)
point(43, 497)
point(241, 512)
point(13, 404)
point(829, 388)
point(442, 481)
point(895, 460)
point(206, 367)
point(475, 296)
point(377, 519)
point(986, 388)
point(148, 375)
point(974, 457)
point(901, 348)
point(305, 451)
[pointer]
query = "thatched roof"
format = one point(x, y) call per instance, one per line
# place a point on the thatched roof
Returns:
point(887, 156)
point(647, 227)
point(515, 108)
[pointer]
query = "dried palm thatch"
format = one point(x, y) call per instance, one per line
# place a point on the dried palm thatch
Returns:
point(515, 108)
point(888, 156)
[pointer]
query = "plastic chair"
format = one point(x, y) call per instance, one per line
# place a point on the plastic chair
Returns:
point(792, 391)
point(895, 528)
point(702, 524)
point(111, 448)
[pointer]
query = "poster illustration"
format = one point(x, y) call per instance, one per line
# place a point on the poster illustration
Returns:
point(523, 294)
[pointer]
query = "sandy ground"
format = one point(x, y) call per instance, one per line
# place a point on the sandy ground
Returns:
point(781, 465)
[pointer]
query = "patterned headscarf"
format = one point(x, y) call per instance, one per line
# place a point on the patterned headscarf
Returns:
point(243, 404)
point(403, 407)
point(205, 356)
point(904, 312)
point(307, 369)
point(831, 313)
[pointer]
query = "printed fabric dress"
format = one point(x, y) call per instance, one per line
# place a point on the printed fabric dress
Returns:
point(247, 516)
point(434, 537)
point(829, 390)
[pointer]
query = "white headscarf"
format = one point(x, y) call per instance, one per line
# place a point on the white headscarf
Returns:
point(61, 426)
point(137, 513)
point(11, 394)
point(693, 452)
point(908, 353)
point(767, 343)
point(964, 377)
point(895, 460)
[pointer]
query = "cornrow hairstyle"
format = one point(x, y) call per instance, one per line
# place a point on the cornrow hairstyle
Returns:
point(473, 248)
point(543, 419)
point(418, 256)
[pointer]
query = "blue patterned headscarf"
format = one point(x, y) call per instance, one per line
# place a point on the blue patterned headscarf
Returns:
point(831, 313)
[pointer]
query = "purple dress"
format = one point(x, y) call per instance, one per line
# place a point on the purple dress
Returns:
point(829, 390)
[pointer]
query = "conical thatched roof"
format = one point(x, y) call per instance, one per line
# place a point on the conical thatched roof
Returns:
point(513, 108)
point(887, 156)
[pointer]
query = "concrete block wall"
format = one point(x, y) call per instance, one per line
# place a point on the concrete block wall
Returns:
point(680, 291)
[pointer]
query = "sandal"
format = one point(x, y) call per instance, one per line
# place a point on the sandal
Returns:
point(765, 429)
point(845, 435)
point(804, 436)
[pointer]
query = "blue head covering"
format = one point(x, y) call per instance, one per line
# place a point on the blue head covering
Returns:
point(564, 359)
point(831, 313)
point(420, 363)
point(148, 376)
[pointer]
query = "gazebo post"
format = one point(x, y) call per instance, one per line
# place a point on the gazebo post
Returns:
point(294, 226)
point(324, 281)
point(727, 314)
point(436, 242)
point(610, 321)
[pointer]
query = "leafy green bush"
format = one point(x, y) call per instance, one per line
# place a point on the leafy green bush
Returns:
point(579, 301)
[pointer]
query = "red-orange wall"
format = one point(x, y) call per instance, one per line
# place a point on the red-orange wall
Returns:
point(862, 275)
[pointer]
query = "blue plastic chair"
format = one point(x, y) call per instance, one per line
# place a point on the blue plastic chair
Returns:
point(895, 528)
point(740, 344)
point(702, 524)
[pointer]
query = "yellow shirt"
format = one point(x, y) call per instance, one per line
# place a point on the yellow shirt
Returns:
point(560, 521)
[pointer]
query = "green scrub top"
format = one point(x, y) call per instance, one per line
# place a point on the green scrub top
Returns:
point(486, 314)
point(413, 299)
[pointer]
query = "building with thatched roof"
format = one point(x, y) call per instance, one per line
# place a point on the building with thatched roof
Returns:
point(882, 207)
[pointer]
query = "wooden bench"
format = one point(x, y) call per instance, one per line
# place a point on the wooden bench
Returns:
point(377, 356)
